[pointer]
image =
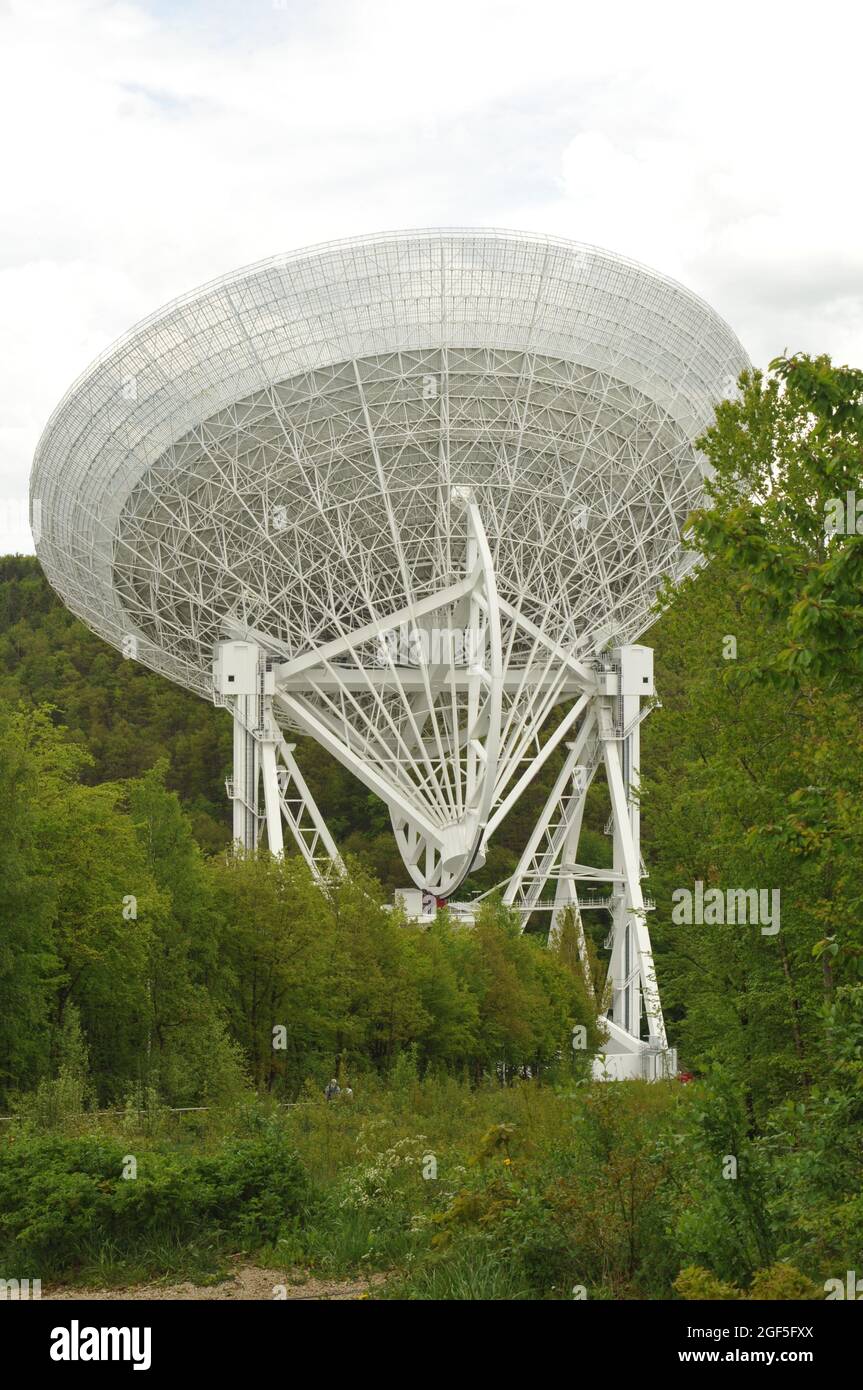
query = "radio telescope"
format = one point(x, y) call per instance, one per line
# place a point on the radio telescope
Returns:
point(408, 494)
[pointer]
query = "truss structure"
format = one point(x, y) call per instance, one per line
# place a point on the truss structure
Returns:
point(428, 476)
point(267, 789)
point(550, 879)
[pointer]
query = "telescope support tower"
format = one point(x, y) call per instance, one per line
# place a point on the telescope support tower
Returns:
point(609, 736)
point(264, 763)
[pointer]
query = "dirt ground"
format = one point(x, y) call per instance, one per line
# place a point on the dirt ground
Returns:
point(248, 1282)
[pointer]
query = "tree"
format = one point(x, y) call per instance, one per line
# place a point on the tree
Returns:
point(785, 517)
point(27, 901)
point(787, 523)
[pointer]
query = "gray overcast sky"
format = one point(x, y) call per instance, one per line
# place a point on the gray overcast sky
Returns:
point(150, 146)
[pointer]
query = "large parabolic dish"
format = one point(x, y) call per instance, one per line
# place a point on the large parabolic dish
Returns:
point(430, 474)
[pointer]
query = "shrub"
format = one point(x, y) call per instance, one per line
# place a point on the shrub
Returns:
point(696, 1284)
point(775, 1282)
point(60, 1198)
point(783, 1281)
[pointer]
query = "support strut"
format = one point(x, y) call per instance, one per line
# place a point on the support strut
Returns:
point(550, 879)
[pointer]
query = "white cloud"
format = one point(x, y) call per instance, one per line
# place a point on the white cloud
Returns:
point(151, 146)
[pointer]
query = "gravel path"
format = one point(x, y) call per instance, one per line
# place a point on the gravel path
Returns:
point(249, 1282)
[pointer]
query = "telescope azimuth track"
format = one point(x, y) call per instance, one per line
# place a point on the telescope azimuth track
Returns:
point(406, 494)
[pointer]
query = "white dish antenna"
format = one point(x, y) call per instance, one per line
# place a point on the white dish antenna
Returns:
point(427, 473)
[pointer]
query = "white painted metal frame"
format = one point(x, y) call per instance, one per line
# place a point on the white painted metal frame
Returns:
point(266, 772)
point(425, 738)
point(608, 736)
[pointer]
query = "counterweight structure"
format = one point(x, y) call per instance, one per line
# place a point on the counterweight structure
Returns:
point(411, 495)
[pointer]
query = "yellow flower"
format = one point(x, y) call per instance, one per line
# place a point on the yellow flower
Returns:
point(507, 1161)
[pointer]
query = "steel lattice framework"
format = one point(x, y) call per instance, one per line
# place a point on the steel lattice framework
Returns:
point(427, 476)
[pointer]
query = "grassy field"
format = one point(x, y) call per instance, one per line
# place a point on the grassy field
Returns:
point(454, 1192)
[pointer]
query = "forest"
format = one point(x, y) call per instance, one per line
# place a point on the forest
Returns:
point(163, 997)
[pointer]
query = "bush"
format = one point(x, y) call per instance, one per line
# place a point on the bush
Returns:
point(779, 1281)
point(695, 1284)
point(62, 1198)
